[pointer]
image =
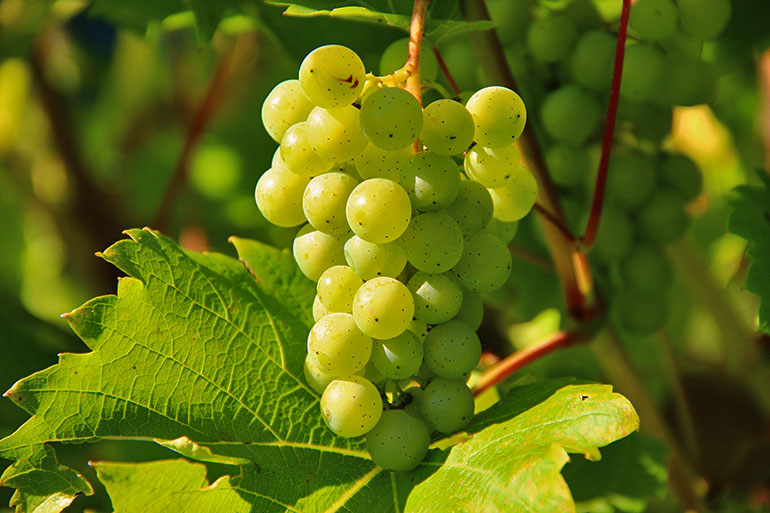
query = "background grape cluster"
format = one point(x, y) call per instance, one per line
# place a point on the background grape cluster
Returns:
point(408, 214)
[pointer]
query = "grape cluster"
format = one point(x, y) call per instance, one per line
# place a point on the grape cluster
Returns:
point(405, 210)
point(568, 51)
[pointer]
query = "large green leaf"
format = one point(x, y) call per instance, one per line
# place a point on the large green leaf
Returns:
point(751, 220)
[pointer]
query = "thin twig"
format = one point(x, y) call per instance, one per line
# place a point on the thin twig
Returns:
point(555, 221)
point(530, 257)
point(445, 70)
point(609, 131)
point(764, 79)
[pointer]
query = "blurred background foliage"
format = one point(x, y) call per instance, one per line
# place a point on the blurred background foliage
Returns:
point(114, 115)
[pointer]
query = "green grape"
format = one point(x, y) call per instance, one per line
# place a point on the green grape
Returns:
point(485, 264)
point(420, 329)
point(681, 173)
point(370, 260)
point(433, 242)
point(277, 158)
point(324, 200)
point(335, 134)
point(631, 178)
point(317, 379)
point(431, 180)
point(472, 310)
point(351, 406)
point(516, 198)
point(399, 357)
point(332, 76)
point(447, 405)
point(689, 81)
point(651, 121)
point(391, 118)
point(499, 116)
point(551, 37)
point(316, 251)
point(640, 313)
point(571, 114)
point(654, 19)
point(683, 45)
point(491, 167)
point(399, 441)
point(644, 74)
point(593, 59)
point(297, 154)
point(452, 350)
point(512, 17)
point(704, 18)
point(615, 236)
point(584, 14)
point(378, 210)
point(336, 346)
point(395, 55)
point(376, 163)
point(568, 165)
point(336, 288)
point(279, 196)
point(284, 106)
point(372, 374)
point(447, 127)
point(505, 231)
point(437, 297)
point(473, 207)
point(319, 310)
point(646, 270)
point(662, 219)
point(383, 307)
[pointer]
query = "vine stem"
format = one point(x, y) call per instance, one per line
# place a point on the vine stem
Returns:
point(592, 226)
point(416, 30)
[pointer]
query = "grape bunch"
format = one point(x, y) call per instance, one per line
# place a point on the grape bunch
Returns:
point(567, 51)
point(402, 210)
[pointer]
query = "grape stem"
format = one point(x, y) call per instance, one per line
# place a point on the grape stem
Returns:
point(416, 30)
point(446, 72)
point(594, 217)
point(555, 221)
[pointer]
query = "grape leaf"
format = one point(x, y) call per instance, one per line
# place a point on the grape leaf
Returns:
point(750, 219)
point(515, 465)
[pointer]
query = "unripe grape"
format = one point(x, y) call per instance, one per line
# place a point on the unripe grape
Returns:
point(279, 196)
point(399, 357)
point(473, 207)
point(317, 379)
point(437, 297)
point(503, 230)
point(374, 162)
point(370, 260)
point(394, 57)
point(351, 406)
point(431, 180)
point(452, 350)
point(378, 210)
point(592, 61)
point(498, 114)
point(383, 308)
point(551, 37)
point(332, 76)
point(568, 164)
point(571, 114)
point(337, 287)
point(646, 270)
point(512, 17)
point(662, 219)
point(704, 18)
point(516, 198)
point(651, 121)
point(681, 173)
point(472, 310)
point(681, 87)
point(654, 19)
point(335, 134)
point(399, 441)
point(643, 72)
point(485, 264)
point(491, 167)
point(391, 118)
point(297, 154)
point(420, 329)
point(631, 178)
point(337, 346)
point(447, 405)
point(615, 236)
point(284, 106)
point(316, 251)
point(433, 242)
point(324, 201)
point(447, 127)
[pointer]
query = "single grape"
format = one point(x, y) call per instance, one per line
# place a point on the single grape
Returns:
point(284, 106)
point(335, 134)
point(592, 61)
point(704, 18)
point(297, 154)
point(491, 167)
point(370, 260)
point(316, 251)
point(383, 307)
point(332, 76)
point(431, 180)
point(279, 196)
point(683, 45)
point(391, 118)
point(399, 441)
point(433, 242)
point(447, 404)
point(399, 357)
point(640, 313)
point(568, 164)
point(319, 311)
point(324, 201)
point(681, 173)
point(646, 270)
point(351, 406)
point(376, 163)
point(420, 329)
point(447, 127)
point(473, 207)
point(584, 14)
point(571, 114)
point(437, 297)
point(516, 198)
point(654, 19)
point(485, 264)
point(336, 346)
point(498, 114)
point(631, 178)
point(512, 17)
point(662, 218)
point(394, 57)
point(551, 37)
point(378, 210)
point(472, 310)
point(615, 236)
point(336, 288)
point(644, 74)
point(505, 231)
point(317, 379)
point(372, 374)
point(452, 349)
